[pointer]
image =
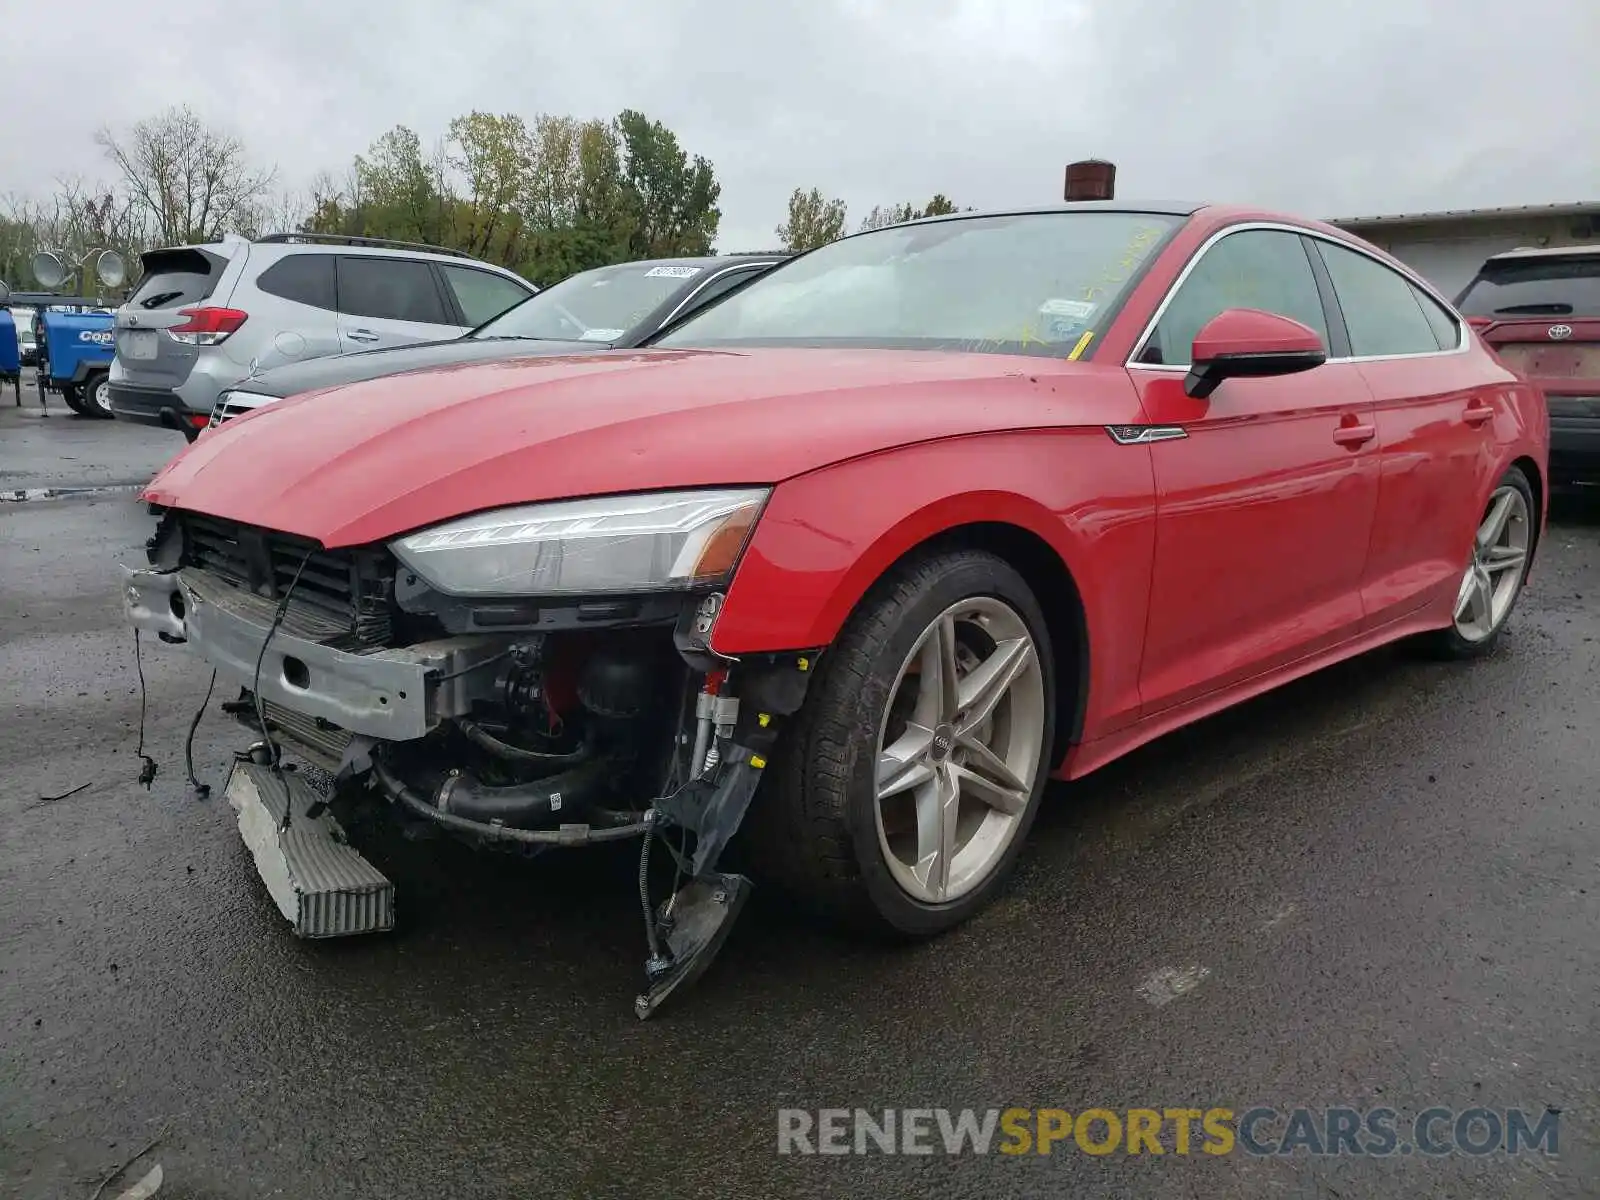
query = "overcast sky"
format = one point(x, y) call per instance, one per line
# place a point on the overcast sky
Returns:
point(1378, 106)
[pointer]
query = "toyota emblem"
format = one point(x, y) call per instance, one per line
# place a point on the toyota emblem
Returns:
point(1560, 332)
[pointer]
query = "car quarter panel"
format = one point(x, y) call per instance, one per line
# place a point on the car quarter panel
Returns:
point(1440, 463)
point(825, 538)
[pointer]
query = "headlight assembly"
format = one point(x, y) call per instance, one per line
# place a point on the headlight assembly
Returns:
point(655, 541)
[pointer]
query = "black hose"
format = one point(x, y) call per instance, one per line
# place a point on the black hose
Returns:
point(399, 792)
point(484, 740)
point(529, 805)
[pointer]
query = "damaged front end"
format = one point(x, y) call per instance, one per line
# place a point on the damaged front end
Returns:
point(525, 679)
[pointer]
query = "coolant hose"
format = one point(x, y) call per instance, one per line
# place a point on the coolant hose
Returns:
point(397, 791)
point(484, 740)
point(548, 801)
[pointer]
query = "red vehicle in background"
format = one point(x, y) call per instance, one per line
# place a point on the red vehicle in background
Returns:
point(851, 562)
point(1540, 310)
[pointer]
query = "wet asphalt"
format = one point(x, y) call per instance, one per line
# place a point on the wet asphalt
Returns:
point(1380, 886)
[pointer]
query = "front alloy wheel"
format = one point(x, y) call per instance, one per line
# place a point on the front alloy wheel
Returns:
point(958, 749)
point(912, 774)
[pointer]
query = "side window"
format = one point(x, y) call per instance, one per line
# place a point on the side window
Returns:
point(1382, 311)
point(392, 289)
point(303, 278)
point(1446, 329)
point(483, 296)
point(1256, 268)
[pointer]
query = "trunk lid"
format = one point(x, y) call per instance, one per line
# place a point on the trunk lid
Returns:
point(174, 279)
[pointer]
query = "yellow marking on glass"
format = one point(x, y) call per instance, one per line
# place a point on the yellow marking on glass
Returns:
point(804, 664)
point(1083, 344)
point(757, 761)
point(763, 719)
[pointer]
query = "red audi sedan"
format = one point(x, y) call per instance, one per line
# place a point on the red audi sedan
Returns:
point(849, 563)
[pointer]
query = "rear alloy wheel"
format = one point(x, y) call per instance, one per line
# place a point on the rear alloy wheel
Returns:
point(915, 768)
point(98, 391)
point(1496, 566)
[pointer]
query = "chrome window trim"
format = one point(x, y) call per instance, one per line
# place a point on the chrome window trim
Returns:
point(708, 281)
point(1463, 339)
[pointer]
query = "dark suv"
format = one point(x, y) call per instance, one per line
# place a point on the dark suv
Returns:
point(1540, 310)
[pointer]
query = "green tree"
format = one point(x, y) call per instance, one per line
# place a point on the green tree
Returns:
point(673, 199)
point(495, 156)
point(898, 214)
point(813, 221)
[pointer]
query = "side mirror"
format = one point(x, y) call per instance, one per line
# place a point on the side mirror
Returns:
point(1246, 343)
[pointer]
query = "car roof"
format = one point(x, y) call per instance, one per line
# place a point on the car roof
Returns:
point(1523, 252)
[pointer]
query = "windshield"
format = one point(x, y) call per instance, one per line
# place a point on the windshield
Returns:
point(1533, 287)
point(1034, 283)
point(593, 306)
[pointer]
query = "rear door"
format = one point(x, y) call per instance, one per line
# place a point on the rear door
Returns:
point(386, 300)
point(174, 279)
point(1541, 314)
point(1435, 411)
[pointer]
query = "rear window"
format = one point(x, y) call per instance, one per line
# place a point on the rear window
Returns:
point(1534, 287)
point(174, 278)
point(303, 278)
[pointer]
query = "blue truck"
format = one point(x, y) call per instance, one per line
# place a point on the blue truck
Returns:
point(76, 342)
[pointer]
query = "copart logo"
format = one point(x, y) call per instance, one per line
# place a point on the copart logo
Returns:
point(100, 337)
point(1560, 333)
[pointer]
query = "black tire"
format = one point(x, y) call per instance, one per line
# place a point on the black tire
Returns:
point(813, 828)
point(1448, 643)
point(75, 400)
point(97, 396)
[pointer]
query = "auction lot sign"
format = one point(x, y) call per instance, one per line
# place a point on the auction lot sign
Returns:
point(1259, 1132)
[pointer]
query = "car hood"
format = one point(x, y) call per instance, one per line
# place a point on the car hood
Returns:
point(371, 460)
point(316, 373)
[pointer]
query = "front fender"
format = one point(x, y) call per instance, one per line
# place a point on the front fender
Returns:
point(828, 536)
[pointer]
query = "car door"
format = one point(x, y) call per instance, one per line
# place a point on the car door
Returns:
point(1435, 417)
point(1265, 492)
point(481, 296)
point(386, 300)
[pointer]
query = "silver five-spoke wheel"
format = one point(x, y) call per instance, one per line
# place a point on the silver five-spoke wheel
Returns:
point(959, 749)
point(1494, 574)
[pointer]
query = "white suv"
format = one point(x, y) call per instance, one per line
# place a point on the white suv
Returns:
point(203, 318)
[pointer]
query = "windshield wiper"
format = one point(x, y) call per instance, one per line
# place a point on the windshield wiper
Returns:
point(1558, 310)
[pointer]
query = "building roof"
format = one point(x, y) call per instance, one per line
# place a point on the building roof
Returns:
point(1584, 208)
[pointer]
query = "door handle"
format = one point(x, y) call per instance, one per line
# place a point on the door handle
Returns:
point(361, 335)
point(1355, 435)
point(1477, 413)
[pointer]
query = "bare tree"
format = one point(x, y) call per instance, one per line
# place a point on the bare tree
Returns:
point(194, 183)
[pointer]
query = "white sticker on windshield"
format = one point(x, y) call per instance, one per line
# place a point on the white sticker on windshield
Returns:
point(672, 272)
point(1078, 310)
point(602, 335)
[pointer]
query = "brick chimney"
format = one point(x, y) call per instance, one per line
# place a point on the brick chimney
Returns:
point(1091, 179)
